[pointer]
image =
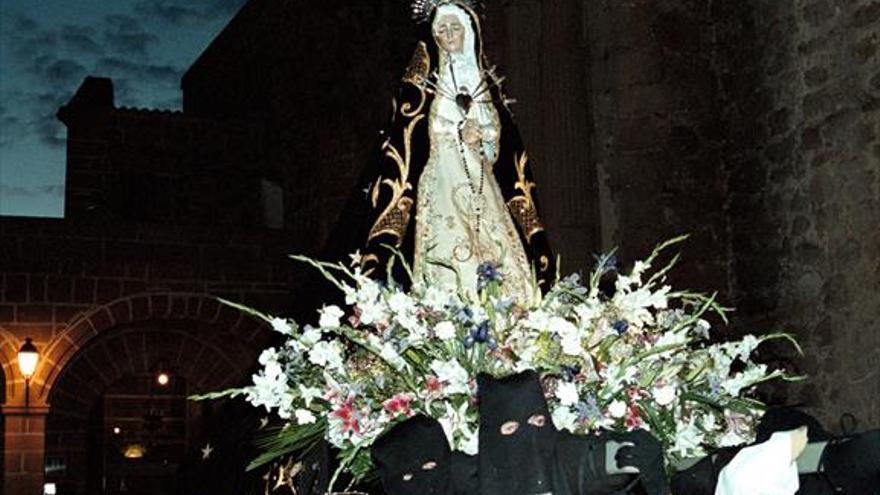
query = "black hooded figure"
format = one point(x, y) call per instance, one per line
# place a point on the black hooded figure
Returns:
point(487, 148)
point(518, 441)
point(413, 458)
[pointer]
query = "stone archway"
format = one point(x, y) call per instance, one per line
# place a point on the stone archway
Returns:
point(230, 342)
point(205, 360)
point(203, 310)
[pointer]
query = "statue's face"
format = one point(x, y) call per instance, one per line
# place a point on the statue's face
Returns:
point(449, 33)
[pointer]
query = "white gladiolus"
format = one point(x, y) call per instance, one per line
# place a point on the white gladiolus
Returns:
point(392, 357)
point(309, 394)
point(445, 330)
point(453, 375)
point(567, 393)
point(688, 438)
point(282, 325)
point(267, 356)
point(327, 354)
point(310, 337)
point(304, 417)
point(401, 304)
point(664, 395)
point(571, 338)
point(538, 320)
point(330, 316)
point(372, 312)
point(617, 409)
point(564, 418)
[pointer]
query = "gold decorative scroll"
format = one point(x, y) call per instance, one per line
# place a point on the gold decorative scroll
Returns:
point(522, 206)
point(419, 65)
point(395, 218)
point(416, 74)
point(369, 259)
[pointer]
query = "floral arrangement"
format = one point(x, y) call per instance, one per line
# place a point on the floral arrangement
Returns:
point(639, 357)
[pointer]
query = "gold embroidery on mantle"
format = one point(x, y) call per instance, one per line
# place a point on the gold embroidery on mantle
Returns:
point(416, 74)
point(395, 218)
point(522, 207)
point(371, 259)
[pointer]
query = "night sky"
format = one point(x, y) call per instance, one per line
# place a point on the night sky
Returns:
point(47, 47)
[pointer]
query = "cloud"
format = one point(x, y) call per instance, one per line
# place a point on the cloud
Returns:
point(24, 24)
point(48, 61)
point(51, 190)
point(51, 132)
point(124, 35)
point(80, 39)
point(64, 73)
point(29, 45)
point(143, 71)
point(12, 130)
point(186, 11)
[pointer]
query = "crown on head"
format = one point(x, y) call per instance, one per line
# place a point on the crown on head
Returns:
point(422, 10)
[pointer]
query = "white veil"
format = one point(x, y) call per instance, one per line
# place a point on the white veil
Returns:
point(464, 64)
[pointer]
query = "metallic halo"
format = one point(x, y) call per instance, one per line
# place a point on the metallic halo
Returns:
point(422, 10)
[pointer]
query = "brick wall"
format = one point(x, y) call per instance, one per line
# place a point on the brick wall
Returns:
point(148, 166)
point(102, 301)
point(56, 272)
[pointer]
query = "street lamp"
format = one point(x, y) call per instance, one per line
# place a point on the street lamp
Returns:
point(28, 356)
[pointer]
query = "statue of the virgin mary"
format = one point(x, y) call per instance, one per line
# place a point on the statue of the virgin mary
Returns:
point(453, 163)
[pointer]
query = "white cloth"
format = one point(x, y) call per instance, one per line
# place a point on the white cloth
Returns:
point(763, 469)
point(448, 228)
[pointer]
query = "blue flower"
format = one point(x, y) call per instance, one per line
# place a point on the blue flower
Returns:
point(487, 272)
point(571, 287)
point(605, 263)
point(620, 326)
point(714, 387)
point(588, 410)
point(570, 372)
point(463, 315)
point(480, 335)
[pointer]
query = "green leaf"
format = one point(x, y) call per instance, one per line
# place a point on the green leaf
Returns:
point(246, 309)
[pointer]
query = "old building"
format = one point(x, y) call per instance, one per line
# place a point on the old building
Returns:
point(751, 125)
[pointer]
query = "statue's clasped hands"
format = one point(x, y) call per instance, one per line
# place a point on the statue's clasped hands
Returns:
point(471, 134)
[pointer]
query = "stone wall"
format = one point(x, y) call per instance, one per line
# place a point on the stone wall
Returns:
point(754, 127)
point(542, 49)
point(657, 136)
point(802, 93)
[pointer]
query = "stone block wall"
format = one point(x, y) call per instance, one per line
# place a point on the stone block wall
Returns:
point(801, 93)
point(753, 126)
